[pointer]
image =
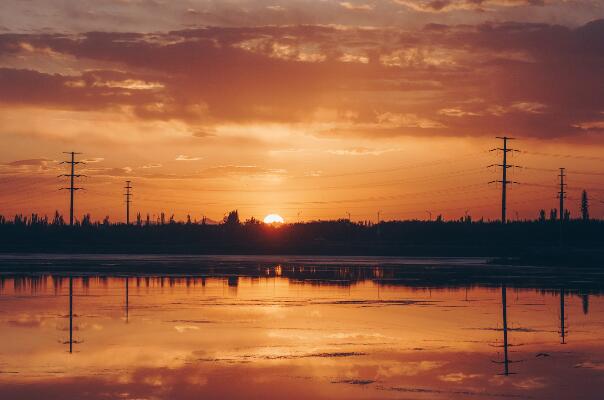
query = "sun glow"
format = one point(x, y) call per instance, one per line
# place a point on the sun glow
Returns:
point(273, 219)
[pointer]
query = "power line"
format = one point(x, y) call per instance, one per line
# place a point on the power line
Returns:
point(539, 169)
point(542, 185)
point(72, 175)
point(369, 185)
point(445, 190)
point(586, 172)
point(461, 208)
point(396, 205)
point(578, 172)
point(394, 169)
point(559, 155)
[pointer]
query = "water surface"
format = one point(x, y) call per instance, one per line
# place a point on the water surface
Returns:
point(299, 329)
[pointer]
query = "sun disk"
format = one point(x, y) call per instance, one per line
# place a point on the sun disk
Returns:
point(273, 219)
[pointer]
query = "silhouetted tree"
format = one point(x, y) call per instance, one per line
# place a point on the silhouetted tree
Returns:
point(584, 206)
point(541, 215)
point(566, 215)
point(232, 218)
point(553, 215)
point(19, 220)
point(34, 220)
point(253, 221)
point(86, 220)
point(58, 219)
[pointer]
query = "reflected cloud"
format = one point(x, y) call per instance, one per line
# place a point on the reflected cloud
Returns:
point(458, 377)
point(186, 328)
point(298, 330)
point(27, 321)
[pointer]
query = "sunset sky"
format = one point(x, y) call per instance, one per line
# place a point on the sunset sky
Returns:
point(305, 108)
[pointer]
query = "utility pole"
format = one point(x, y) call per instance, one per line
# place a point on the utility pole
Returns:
point(563, 330)
point(127, 298)
point(72, 175)
point(128, 196)
point(504, 316)
point(504, 178)
point(504, 306)
point(562, 193)
point(70, 314)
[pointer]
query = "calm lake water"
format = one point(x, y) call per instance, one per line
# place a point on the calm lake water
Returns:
point(264, 328)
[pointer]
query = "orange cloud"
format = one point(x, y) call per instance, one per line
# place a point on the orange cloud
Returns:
point(444, 80)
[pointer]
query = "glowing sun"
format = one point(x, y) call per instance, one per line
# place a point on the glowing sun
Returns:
point(273, 219)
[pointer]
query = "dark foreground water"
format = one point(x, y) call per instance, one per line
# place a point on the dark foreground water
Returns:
point(331, 328)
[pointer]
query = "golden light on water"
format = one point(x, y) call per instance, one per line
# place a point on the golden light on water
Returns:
point(440, 340)
point(273, 219)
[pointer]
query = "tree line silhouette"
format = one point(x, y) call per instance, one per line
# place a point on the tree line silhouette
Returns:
point(542, 238)
point(232, 219)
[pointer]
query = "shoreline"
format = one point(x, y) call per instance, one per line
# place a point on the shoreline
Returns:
point(554, 256)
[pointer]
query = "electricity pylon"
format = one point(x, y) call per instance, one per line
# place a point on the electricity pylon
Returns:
point(128, 196)
point(504, 178)
point(72, 175)
point(562, 193)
